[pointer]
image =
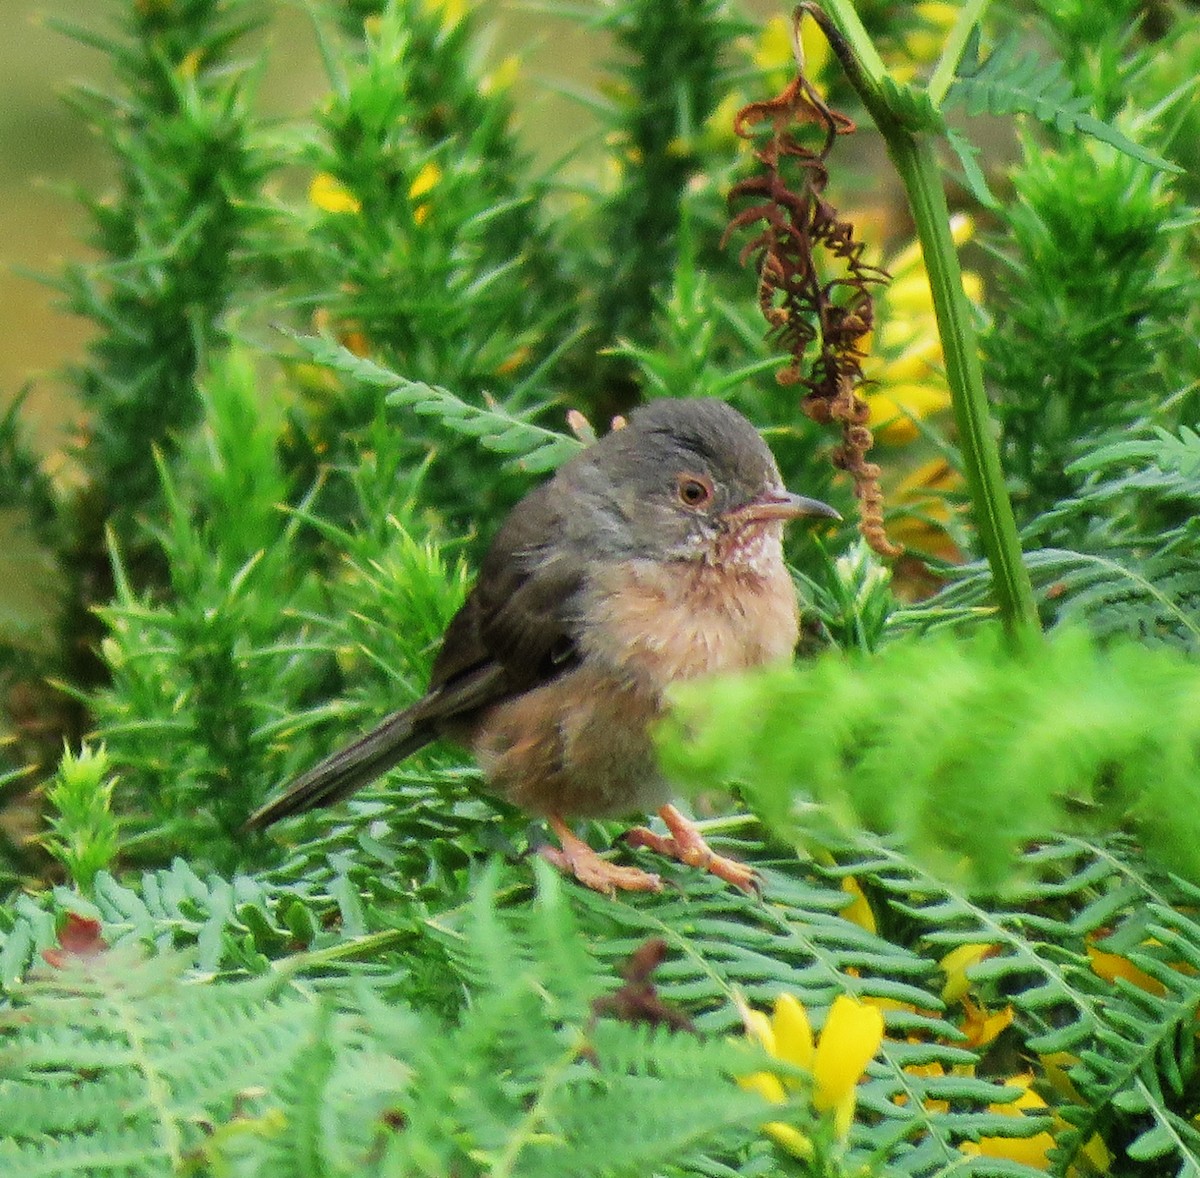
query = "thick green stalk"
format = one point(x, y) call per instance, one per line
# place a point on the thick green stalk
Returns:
point(918, 168)
point(913, 155)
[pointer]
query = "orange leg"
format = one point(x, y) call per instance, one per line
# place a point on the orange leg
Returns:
point(686, 844)
point(587, 866)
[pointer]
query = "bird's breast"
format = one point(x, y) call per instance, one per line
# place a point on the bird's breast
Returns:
point(665, 621)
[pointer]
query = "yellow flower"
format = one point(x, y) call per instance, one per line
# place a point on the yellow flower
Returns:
point(858, 911)
point(1111, 966)
point(904, 363)
point(502, 77)
point(932, 1070)
point(837, 1059)
point(449, 12)
point(425, 181)
point(922, 493)
point(982, 1026)
point(1030, 1150)
point(1055, 1069)
point(924, 43)
point(773, 52)
point(955, 965)
point(331, 195)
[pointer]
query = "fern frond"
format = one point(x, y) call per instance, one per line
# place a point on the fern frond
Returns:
point(1009, 81)
point(1143, 1061)
point(1134, 568)
point(1170, 453)
point(531, 448)
point(1154, 598)
point(1129, 1047)
point(997, 748)
point(118, 1067)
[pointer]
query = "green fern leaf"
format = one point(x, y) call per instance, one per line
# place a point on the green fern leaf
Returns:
point(1008, 81)
point(532, 448)
point(119, 1065)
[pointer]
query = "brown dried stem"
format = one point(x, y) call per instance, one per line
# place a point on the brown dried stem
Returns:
point(803, 308)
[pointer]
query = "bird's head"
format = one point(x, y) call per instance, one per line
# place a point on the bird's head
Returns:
point(685, 480)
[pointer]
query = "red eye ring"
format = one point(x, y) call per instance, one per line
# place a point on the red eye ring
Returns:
point(694, 490)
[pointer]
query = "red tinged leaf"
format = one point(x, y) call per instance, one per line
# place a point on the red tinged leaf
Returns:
point(79, 939)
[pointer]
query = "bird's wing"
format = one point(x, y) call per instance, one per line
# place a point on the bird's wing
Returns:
point(516, 630)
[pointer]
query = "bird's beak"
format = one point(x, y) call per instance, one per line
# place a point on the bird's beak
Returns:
point(780, 504)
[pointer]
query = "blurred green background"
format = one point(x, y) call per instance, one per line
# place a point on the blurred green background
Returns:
point(48, 151)
point(45, 148)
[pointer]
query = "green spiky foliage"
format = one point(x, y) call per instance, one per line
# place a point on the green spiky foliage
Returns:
point(188, 170)
point(179, 130)
point(84, 834)
point(1132, 569)
point(1091, 294)
point(1088, 338)
point(655, 144)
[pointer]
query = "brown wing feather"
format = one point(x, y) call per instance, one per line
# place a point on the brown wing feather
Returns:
point(515, 631)
point(521, 613)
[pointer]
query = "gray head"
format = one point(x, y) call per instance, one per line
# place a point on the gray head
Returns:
point(684, 480)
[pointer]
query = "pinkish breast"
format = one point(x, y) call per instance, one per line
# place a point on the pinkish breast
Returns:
point(663, 622)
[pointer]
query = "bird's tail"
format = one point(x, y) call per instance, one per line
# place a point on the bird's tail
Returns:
point(348, 769)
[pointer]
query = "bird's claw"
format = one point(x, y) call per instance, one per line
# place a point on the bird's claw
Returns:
point(686, 844)
point(586, 865)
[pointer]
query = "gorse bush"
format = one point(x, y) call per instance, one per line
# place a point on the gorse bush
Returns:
point(330, 354)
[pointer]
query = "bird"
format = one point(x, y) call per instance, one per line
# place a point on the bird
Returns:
point(652, 556)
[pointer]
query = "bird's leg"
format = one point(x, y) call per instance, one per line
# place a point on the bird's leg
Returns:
point(587, 866)
point(686, 844)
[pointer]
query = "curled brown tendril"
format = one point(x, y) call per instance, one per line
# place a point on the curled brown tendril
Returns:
point(803, 306)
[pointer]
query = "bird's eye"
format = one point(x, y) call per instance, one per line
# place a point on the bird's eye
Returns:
point(694, 491)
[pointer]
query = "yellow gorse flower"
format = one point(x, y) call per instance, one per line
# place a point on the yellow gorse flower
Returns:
point(448, 12)
point(773, 53)
point(425, 181)
point(859, 910)
point(1030, 1150)
point(955, 965)
point(836, 1059)
point(922, 44)
point(502, 78)
point(904, 367)
point(982, 1026)
point(331, 196)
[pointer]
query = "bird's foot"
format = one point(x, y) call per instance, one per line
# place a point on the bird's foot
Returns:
point(586, 865)
point(686, 844)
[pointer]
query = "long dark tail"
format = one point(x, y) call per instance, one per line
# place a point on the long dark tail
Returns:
point(349, 768)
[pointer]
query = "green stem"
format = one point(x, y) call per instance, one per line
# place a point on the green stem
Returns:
point(915, 161)
point(943, 73)
point(917, 166)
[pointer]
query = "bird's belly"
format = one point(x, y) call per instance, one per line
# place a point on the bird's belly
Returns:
point(578, 747)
